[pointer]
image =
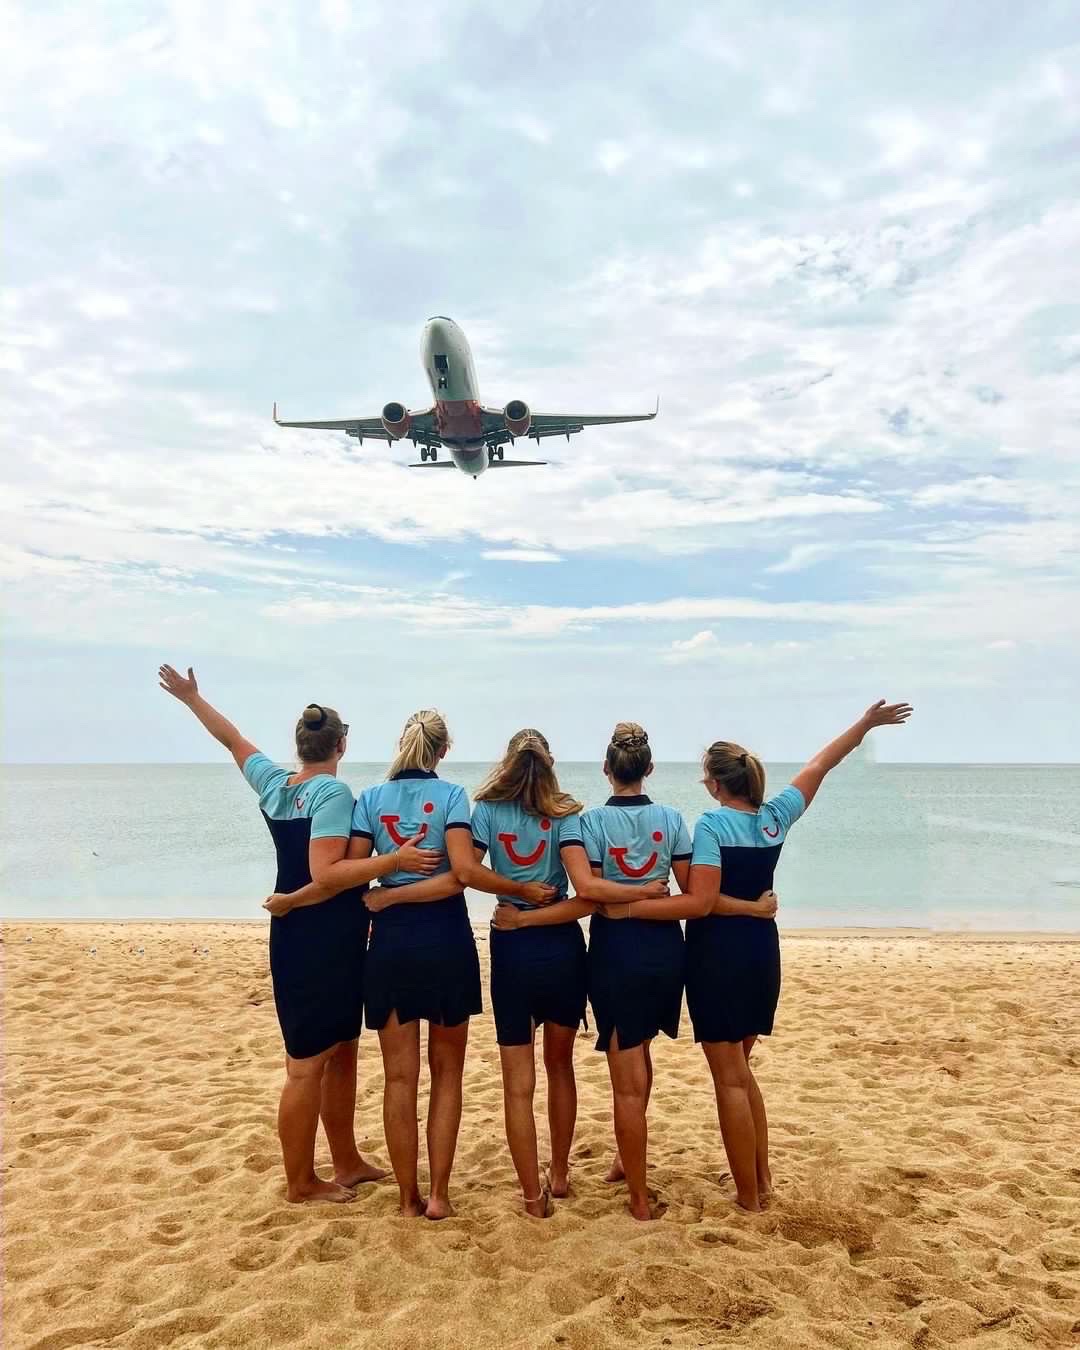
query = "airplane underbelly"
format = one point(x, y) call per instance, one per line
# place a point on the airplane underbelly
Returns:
point(471, 460)
point(459, 420)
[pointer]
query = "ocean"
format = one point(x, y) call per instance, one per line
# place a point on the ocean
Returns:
point(953, 847)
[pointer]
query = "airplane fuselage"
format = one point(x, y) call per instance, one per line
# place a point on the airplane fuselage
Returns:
point(448, 364)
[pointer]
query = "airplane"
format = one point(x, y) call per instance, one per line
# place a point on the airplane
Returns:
point(457, 421)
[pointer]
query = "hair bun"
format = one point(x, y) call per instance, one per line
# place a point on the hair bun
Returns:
point(314, 716)
point(629, 736)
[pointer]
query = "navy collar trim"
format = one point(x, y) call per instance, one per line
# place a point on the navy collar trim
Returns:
point(640, 800)
point(414, 773)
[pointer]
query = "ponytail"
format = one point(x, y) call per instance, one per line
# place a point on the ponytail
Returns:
point(422, 743)
point(738, 772)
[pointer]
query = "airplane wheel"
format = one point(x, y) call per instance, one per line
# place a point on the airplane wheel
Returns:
point(434, 454)
point(500, 452)
point(423, 454)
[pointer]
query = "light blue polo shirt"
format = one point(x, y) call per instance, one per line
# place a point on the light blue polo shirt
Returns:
point(324, 800)
point(765, 828)
point(524, 847)
point(390, 813)
point(634, 839)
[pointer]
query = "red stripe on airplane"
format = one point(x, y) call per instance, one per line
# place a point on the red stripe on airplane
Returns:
point(459, 419)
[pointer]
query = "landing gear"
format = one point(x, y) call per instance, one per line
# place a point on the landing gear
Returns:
point(433, 453)
point(494, 452)
point(428, 452)
point(423, 454)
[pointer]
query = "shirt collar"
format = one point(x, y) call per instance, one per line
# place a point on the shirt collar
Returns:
point(414, 773)
point(640, 800)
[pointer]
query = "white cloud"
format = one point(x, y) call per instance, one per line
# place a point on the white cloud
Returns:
point(702, 646)
point(521, 555)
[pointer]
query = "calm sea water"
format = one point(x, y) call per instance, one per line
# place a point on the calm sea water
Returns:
point(940, 846)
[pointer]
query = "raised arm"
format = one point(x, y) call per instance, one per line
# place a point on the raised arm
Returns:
point(881, 714)
point(219, 726)
point(470, 871)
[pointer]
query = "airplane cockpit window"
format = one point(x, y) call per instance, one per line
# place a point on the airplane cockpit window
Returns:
point(442, 365)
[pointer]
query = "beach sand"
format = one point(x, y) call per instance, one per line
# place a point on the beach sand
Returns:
point(923, 1094)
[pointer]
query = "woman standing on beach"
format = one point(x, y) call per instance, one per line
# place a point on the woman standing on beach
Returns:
point(422, 963)
point(732, 944)
point(316, 955)
point(635, 969)
point(531, 830)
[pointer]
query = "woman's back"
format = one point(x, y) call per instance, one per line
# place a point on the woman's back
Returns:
point(320, 807)
point(746, 845)
point(523, 846)
point(634, 839)
point(414, 801)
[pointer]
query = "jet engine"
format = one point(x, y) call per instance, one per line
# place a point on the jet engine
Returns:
point(518, 417)
point(396, 420)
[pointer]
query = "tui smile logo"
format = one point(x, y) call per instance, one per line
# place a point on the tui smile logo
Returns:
point(524, 859)
point(391, 823)
point(771, 833)
point(619, 854)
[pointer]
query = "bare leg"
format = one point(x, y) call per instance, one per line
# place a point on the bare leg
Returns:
point(298, 1123)
point(400, 1047)
point(446, 1063)
point(616, 1172)
point(562, 1101)
point(731, 1079)
point(761, 1128)
point(519, 1085)
point(338, 1111)
point(629, 1086)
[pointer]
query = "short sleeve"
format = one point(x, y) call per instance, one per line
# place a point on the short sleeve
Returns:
point(682, 849)
point(591, 838)
point(570, 830)
point(331, 814)
point(262, 772)
point(787, 806)
point(361, 819)
point(481, 826)
point(706, 850)
point(457, 810)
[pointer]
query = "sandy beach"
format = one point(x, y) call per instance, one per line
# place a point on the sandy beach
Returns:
point(923, 1095)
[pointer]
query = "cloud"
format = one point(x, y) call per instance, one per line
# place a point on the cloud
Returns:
point(702, 646)
point(521, 555)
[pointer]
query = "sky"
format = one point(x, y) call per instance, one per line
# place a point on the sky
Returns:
point(840, 242)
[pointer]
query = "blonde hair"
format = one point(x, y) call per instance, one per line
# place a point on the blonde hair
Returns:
point(526, 775)
point(738, 772)
point(318, 730)
point(422, 742)
point(628, 754)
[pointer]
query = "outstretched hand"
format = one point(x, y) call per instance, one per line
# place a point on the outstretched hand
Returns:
point(186, 690)
point(882, 714)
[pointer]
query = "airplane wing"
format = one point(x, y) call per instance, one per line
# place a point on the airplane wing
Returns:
point(556, 424)
point(421, 427)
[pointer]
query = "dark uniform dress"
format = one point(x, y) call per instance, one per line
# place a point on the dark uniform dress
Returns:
point(316, 952)
point(635, 965)
point(537, 974)
point(733, 960)
point(422, 960)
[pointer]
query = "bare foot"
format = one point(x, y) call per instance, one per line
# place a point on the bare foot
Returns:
point(413, 1209)
point(615, 1171)
point(750, 1207)
point(541, 1207)
point(319, 1192)
point(356, 1176)
point(641, 1210)
point(559, 1183)
point(438, 1209)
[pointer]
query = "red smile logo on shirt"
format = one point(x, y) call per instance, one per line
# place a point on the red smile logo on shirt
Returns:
point(619, 854)
point(524, 859)
point(771, 833)
point(391, 823)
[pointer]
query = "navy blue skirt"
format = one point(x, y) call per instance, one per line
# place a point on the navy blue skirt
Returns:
point(636, 971)
point(422, 964)
point(537, 975)
point(732, 976)
point(317, 967)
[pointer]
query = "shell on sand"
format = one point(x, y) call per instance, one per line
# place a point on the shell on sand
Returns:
point(923, 1096)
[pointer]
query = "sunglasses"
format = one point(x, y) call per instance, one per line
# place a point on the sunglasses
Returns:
point(344, 728)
